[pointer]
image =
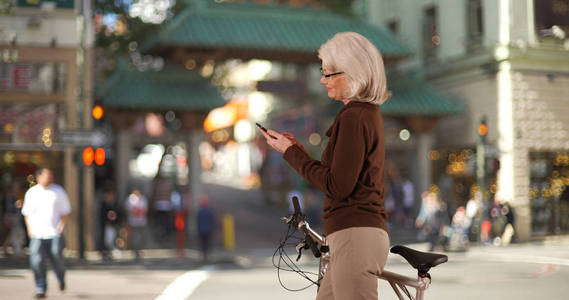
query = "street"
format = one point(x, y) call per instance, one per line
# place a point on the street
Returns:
point(535, 270)
point(531, 270)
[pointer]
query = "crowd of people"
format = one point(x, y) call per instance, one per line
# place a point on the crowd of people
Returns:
point(486, 222)
point(443, 222)
point(140, 223)
point(133, 224)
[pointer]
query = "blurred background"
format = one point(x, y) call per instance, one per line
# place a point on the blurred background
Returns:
point(162, 96)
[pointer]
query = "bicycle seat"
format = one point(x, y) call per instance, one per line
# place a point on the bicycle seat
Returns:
point(422, 261)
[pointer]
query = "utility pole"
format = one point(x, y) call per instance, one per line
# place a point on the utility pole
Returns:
point(81, 105)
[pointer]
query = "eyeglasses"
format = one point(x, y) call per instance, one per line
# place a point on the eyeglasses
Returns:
point(329, 75)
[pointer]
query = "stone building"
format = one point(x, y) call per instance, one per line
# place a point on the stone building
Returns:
point(509, 62)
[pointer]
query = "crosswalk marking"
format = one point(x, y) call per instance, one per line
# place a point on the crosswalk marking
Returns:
point(185, 284)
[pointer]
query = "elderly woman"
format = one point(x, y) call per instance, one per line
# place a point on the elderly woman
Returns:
point(351, 169)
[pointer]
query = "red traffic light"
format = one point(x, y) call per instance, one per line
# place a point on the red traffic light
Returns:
point(97, 112)
point(482, 129)
point(99, 156)
point(88, 156)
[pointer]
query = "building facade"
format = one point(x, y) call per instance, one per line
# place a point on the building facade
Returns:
point(509, 61)
point(45, 89)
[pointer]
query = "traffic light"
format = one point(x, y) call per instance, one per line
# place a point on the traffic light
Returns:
point(88, 156)
point(91, 156)
point(100, 156)
point(97, 112)
point(482, 128)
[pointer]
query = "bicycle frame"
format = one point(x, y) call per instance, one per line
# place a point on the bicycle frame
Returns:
point(398, 282)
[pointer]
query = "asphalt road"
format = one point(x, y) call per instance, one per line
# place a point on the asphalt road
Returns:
point(527, 271)
point(519, 271)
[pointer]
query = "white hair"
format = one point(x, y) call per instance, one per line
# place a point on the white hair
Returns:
point(359, 59)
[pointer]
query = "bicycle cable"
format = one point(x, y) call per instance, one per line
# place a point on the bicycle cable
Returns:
point(290, 264)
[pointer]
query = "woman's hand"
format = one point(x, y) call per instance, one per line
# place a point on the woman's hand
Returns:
point(291, 137)
point(279, 142)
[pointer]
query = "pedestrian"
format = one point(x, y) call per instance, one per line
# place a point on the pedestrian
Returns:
point(206, 225)
point(431, 219)
point(46, 211)
point(179, 206)
point(351, 169)
point(408, 201)
point(457, 234)
point(15, 234)
point(397, 194)
point(162, 207)
point(137, 209)
point(110, 218)
point(509, 233)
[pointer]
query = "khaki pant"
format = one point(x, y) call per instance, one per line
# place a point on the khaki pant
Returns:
point(356, 254)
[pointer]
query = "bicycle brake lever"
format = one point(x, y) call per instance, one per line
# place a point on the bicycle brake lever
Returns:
point(287, 219)
point(299, 248)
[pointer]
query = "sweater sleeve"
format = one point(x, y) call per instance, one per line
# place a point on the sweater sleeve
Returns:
point(339, 178)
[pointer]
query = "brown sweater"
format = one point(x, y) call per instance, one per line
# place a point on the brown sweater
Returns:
point(351, 170)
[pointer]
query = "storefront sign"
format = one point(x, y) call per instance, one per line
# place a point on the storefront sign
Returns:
point(21, 76)
point(38, 3)
point(33, 77)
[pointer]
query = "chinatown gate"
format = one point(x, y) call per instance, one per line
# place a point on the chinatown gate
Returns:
point(178, 98)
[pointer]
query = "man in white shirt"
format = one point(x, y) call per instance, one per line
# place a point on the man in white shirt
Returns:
point(46, 211)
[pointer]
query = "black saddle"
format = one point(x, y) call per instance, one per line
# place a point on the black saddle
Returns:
point(422, 261)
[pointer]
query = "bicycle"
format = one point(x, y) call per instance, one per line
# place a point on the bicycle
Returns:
point(421, 261)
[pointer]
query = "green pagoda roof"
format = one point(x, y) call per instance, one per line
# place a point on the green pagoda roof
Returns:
point(420, 99)
point(172, 88)
point(270, 31)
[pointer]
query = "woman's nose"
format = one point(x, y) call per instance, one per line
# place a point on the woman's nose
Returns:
point(323, 80)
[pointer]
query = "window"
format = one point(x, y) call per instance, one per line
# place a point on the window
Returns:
point(552, 19)
point(431, 38)
point(48, 78)
point(393, 26)
point(475, 25)
point(30, 123)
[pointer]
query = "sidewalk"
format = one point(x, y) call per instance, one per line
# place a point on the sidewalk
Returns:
point(152, 259)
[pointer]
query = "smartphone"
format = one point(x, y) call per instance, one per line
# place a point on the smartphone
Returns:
point(261, 127)
point(264, 129)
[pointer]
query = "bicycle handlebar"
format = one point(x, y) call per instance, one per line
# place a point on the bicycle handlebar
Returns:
point(311, 237)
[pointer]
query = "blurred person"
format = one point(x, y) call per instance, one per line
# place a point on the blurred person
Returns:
point(446, 194)
point(179, 206)
point(509, 233)
point(498, 220)
point(389, 203)
point(137, 209)
point(206, 225)
point(396, 193)
point(14, 234)
point(474, 215)
point(408, 201)
point(351, 170)
point(110, 218)
point(162, 206)
point(431, 219)
point(46, 211)
point(457, 233)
